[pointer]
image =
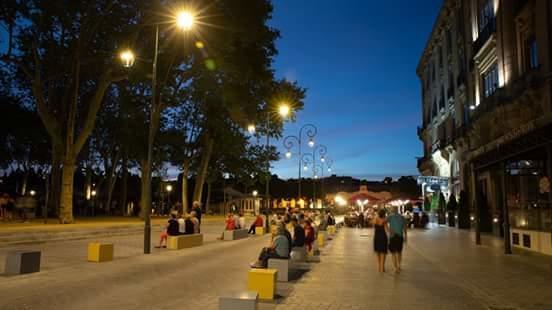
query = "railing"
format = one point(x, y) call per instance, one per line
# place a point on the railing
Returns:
point(484, 35)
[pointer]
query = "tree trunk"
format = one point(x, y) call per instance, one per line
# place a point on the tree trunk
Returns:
point(66, 206)
point(208, 199)
point(124, 185)
point(111, 180)
point(204, 164)
point(55, 182)
point(185, 174)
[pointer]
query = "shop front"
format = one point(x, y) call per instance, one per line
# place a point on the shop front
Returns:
point(512, 191)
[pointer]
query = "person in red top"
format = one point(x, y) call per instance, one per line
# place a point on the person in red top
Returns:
point(257, 223)
point(230, 223)
point(309, 235)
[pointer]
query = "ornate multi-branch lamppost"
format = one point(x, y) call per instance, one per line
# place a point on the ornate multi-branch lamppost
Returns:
point(308, 131)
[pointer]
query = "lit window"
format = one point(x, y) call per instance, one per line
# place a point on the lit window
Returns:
point(486, 14)
point(490, 80)
point(533, 53)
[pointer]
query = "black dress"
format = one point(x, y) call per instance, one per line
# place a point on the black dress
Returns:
point(380, 239)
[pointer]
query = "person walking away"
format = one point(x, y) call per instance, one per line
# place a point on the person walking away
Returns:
point(380, 239)
point(397, 236)
point(279, 248)
point(360, 220)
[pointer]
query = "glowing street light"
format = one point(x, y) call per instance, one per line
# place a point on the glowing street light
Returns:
point(305, 167)
point(127, 58)
point(32, 192)
point(288, 154)
point(311, 143)
point(255, 193)
point(322, 159)
point(93, 193)
point(251, 129)
point(284, 110)
point(169, 188)
point(185, 20)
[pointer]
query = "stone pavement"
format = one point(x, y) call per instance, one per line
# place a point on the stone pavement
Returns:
point(443, 269)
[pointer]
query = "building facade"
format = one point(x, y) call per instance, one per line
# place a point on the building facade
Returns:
point(487, 120)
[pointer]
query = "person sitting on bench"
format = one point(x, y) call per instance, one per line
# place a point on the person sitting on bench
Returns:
point(257, 223)
point(298, 233)
point(171, 229)
point(279, 248)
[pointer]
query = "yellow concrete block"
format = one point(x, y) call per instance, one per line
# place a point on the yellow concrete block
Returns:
point(331, 229)
point(184, 241)
point(321, 240)
point(273, 228)
point(100, 252)
point(263, 281)
point(259, 231)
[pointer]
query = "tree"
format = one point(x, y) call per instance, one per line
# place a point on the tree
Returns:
point(63, 54)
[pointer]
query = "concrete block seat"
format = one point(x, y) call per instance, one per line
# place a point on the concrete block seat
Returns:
point(283, 266)
point(235, 234)
point(22, 262)
point(100, 252)
point(263, 281)
point(259, 231)
point(299, 254)
point(247, 300)
point(184, 241)
point(331, 229)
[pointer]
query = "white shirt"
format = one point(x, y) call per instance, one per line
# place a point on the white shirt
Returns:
point(181, 225)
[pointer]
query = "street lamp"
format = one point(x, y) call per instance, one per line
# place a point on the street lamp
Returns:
point(169, 189)
point(32, 192)
point(185, 21)
point(251, 129)
point(284, 110)
point(308, 131)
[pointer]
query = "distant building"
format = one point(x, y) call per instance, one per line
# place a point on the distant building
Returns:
point(487, 120)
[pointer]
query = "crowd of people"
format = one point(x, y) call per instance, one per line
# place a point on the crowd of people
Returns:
point(294, 229)
point(181, 224)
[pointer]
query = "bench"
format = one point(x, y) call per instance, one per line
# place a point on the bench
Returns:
point(262, 281)
point(100, 252)
point(184, 241)
point(259, 231)
point(235, 234)
point(22, 262)
point(283, 267)
point(299, 254)
point(247, 300)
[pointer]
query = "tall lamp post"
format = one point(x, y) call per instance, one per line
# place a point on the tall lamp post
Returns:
point(283, 111)
point(184, 20)
point(307, 131)
point(317, 168)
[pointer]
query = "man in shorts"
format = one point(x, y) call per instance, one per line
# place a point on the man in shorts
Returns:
point(397, 237)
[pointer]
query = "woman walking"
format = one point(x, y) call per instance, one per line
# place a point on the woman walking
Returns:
point(380, 239)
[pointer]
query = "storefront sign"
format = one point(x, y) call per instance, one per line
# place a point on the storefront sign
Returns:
point(508, 137)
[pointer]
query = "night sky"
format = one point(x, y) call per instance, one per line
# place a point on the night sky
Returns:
point(358, 60)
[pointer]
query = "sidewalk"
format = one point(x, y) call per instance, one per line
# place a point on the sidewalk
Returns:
point(443, 269)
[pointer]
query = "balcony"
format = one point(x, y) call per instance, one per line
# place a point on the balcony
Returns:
point(484, 35)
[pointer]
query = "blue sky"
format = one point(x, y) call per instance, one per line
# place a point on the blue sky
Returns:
point(358, 61)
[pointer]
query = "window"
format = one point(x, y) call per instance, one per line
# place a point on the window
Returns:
point(486, 14)
point(490, 80)
point(532, 53)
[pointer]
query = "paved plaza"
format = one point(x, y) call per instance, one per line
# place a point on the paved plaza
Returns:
point(443, 269)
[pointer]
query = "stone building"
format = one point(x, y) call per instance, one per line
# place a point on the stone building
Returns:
point(492, 137)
